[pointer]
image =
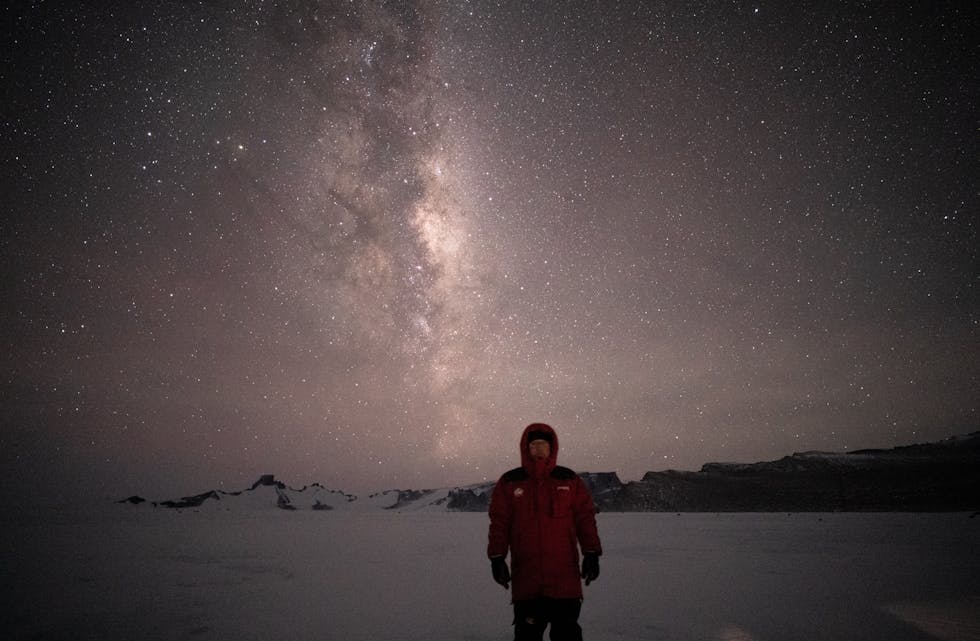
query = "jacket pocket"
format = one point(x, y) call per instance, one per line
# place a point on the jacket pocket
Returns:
point(561, 504)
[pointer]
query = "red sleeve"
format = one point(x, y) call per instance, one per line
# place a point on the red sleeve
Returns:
point(500, 516)
point(585, 525)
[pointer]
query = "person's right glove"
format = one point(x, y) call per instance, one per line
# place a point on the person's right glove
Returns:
point(590, 567)
point(501, 574)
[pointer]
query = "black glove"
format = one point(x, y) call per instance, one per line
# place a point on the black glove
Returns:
point(501, 574)
point(590, 567)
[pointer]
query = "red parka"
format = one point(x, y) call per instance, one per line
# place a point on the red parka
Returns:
point(541, 513)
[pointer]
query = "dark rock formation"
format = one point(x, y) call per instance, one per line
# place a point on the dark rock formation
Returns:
point(940, 476)
point(469, 500)
point(267, 479)
point(191, 501)
point(406, 497)
point(282, 501)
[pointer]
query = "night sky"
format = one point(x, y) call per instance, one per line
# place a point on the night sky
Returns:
point(365, 243)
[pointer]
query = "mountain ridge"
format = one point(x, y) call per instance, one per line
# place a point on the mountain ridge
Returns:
point(939, 476)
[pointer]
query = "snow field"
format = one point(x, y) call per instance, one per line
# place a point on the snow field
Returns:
point(137, 572)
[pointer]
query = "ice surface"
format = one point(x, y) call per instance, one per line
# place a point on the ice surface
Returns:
point(132, 572)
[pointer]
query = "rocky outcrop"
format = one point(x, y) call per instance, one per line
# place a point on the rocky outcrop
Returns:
point(471, 499)
point(266, 480)
point(407, 497)
point(191, 501)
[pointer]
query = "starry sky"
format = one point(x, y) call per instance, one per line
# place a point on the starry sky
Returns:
point(365, 243)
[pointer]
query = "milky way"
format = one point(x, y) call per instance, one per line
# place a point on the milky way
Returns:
point(364, 244)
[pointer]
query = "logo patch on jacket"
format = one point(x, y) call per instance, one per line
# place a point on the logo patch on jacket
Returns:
point(563, 487)
point(518, 491)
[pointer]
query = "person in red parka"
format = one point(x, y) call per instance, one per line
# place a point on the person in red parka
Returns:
point(542, 514)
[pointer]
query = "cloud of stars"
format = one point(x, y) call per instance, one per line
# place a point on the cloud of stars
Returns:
point(364, 244)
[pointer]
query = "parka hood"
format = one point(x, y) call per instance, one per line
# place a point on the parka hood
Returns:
point(539, 468)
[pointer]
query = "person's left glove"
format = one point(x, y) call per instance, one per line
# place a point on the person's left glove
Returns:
point(590, 567)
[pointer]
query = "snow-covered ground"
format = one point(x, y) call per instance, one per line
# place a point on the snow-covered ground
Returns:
point(138, 572)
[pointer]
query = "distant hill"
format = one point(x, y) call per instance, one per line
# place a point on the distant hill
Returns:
point(941, 476)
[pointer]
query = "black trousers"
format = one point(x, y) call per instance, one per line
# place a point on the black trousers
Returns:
point(532, 617)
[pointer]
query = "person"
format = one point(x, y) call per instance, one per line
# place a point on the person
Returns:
point(542, 514)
